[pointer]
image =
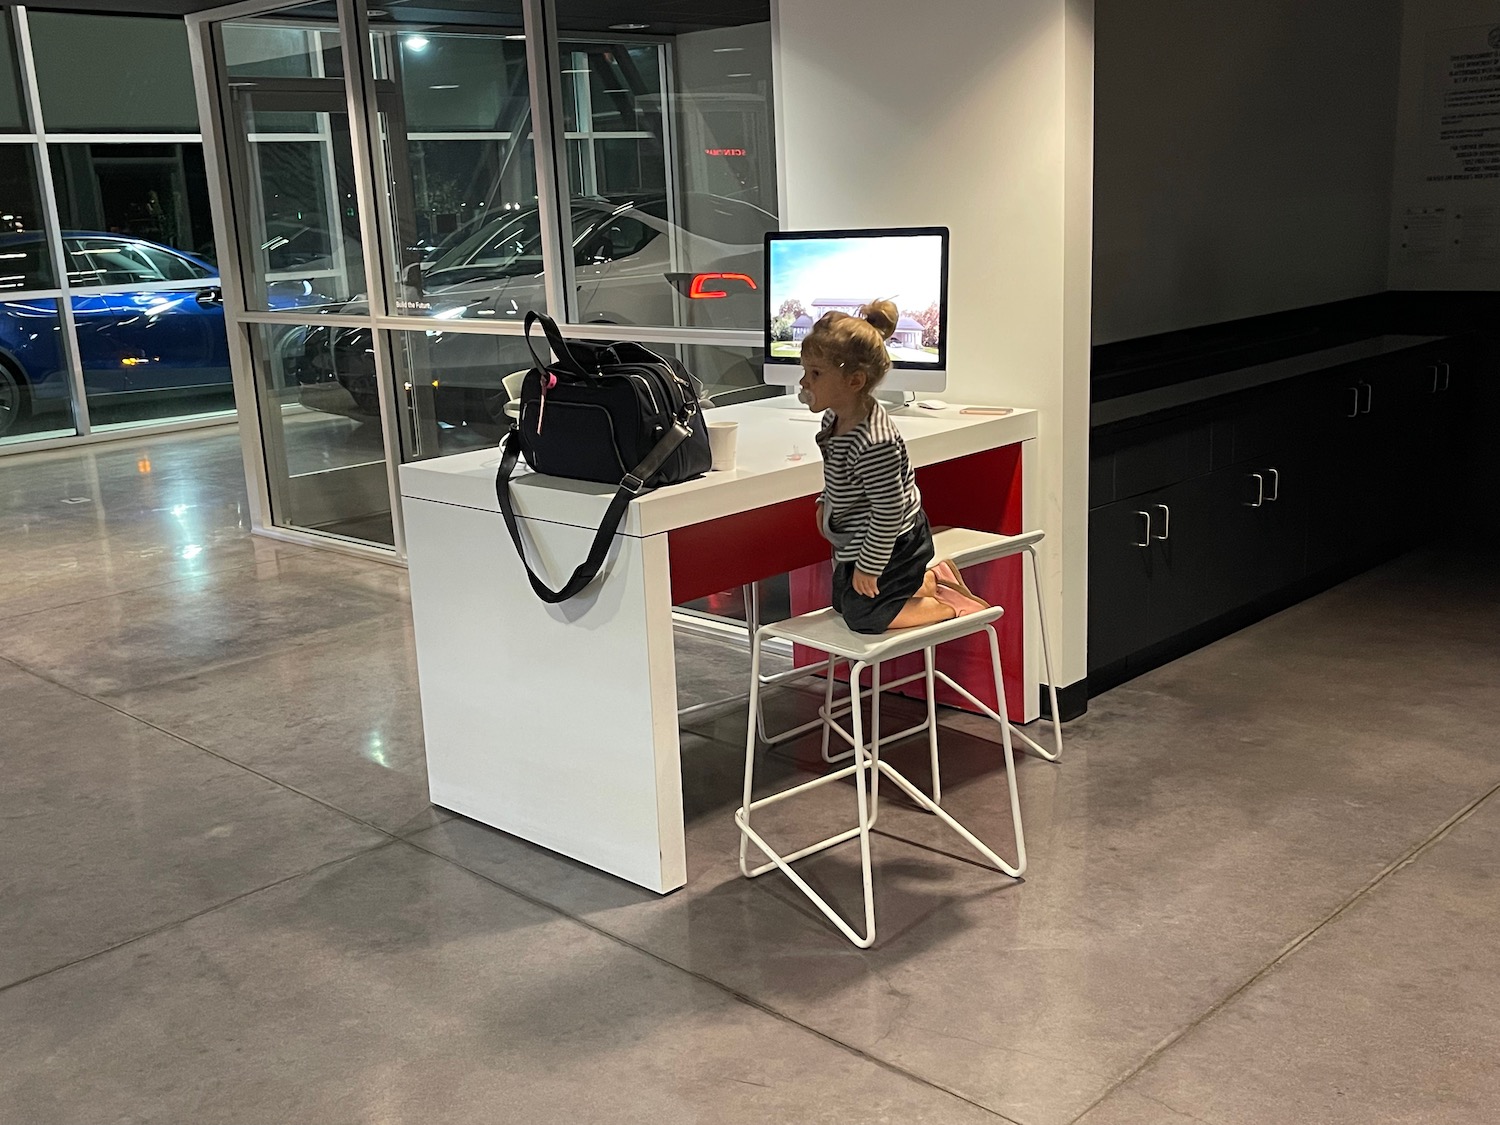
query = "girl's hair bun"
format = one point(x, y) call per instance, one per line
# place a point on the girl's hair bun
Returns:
point(881, 316)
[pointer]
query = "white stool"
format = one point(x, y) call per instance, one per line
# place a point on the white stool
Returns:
point(970, 548)
point(750, 593)
point(965, 548)
point(826, 632)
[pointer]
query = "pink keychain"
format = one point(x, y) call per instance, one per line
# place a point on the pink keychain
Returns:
point(548, 383)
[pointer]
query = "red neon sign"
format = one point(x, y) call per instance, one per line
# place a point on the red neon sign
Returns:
point(725, 152)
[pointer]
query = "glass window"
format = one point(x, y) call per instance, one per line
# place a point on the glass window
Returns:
point(12, 109)
point(459, 388)
point(156, 193)
point(293, 162)
point(107, 74)
point(271, 50)
point(676, 126)
point(148, 353)
point(455, 113)
point(171, 266)
point(107, 261)
point(455, 387)
point(321, 430)
point(135, 214)
point(36, 395)
point(304, 245)
point(25, 258)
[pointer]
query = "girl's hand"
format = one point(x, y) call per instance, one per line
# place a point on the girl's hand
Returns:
point(866, 584)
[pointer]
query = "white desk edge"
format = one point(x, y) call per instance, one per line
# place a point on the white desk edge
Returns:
point(770, 432)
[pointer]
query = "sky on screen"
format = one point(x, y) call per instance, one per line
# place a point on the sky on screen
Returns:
point(904, 269)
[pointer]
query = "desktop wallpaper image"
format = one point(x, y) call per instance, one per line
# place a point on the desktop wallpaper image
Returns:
point(809, 277)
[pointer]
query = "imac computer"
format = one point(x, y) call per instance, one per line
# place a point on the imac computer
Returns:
point(810, 273)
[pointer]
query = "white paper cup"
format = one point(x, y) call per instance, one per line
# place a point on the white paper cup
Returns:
point(723, 439)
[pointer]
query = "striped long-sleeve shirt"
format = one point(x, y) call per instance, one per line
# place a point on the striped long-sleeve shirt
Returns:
point(870, 495)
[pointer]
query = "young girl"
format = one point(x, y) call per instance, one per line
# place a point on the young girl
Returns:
point(870, 509)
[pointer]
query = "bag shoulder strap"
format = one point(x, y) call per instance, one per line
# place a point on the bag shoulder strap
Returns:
point(629, 489)
point(565, 357)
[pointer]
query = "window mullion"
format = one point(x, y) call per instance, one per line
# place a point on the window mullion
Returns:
point(52, 225)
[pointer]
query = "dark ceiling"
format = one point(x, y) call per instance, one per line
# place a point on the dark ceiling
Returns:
point(662, 17)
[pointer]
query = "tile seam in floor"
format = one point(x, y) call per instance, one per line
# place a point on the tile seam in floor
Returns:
point(225, 569)
point(357, 819)
point(295, 552)
point(320, 636)
point(720, 986)
point(230, 569)
point(165, 926)
point(1287, 951)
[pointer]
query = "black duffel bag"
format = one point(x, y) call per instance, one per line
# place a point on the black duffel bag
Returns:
point(613, 413)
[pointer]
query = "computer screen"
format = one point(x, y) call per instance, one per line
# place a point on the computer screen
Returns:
point(810, 273)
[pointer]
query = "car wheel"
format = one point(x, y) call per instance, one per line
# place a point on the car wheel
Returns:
point(13, 399)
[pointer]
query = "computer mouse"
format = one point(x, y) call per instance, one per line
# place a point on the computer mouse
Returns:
point(932, 404)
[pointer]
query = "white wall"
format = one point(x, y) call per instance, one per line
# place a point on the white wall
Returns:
point(1445, 223)
point(974, 116)
point(1243, 157)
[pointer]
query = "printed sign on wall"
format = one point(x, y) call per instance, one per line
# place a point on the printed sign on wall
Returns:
point(1447, 191)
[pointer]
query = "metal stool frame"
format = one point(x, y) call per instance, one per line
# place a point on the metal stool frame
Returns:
point(861, 653)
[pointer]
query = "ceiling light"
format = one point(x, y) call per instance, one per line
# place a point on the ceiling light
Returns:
point(742, 74)
point(515, 37)
point(374, 13)
point(629, 26)
point(416, 42)
point(726, 50)
point(454, 86)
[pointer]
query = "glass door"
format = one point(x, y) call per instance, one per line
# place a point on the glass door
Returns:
point(302, 264)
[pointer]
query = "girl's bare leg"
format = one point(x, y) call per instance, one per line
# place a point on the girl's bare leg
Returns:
point(923, 611)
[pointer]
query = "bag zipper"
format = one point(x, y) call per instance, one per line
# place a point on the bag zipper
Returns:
point(647, 384)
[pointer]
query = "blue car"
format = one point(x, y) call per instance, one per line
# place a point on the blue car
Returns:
point(164, 338)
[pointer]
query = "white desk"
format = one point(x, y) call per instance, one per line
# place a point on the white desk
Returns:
point(559, 723)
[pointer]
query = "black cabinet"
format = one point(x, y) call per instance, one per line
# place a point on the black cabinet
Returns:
point(1202, 517)
point(1119, 580)
point(1164, 562)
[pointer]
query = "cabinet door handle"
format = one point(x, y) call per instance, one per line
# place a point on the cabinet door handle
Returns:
point(1166, 522)
point(1434, 370)
point(1275, 485)
point(1447, 375)
point(1354, 411)
point(1260, 491)
point(1146, 538)
point(1369, 396)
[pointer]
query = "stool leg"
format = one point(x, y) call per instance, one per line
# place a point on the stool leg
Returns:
point(1041, 751)
point(750, 594)
point(750, 733)
point(929, 657)
point(874, 743)
point(1010, 758)
point(860, 771)
point(865, 770)
point(926, 802)
point(827, 715)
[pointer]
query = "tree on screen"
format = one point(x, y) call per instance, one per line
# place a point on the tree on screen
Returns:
point(928, 319)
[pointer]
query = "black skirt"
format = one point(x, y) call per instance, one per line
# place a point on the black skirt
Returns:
point(898, 582)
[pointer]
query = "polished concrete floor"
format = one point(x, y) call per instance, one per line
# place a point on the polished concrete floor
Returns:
point(1262, 881)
